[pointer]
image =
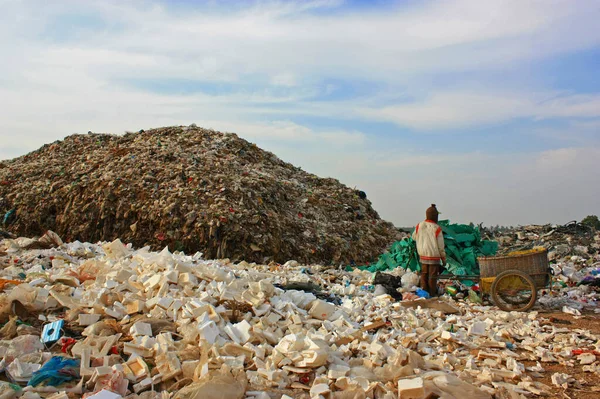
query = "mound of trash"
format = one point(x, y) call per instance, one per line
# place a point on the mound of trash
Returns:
point(561, 241)
point(190, 189)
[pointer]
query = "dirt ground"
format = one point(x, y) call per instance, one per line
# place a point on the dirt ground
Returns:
point(590, 382)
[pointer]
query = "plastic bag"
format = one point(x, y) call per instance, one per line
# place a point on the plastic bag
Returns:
point(380, 290)
point(396, 368)
point(444, 384)
point(474, 298)
point(409, 280)
point(19, 371)
point(22, 345)
point(218, 384)
point(10, 329)
point(389, 283)
point(114, 382)
point(50, 239)
point(25, 295)
point(56, 371)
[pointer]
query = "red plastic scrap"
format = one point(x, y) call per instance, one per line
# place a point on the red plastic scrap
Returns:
point(66, 344)
point(577, 352)
point(305, 379)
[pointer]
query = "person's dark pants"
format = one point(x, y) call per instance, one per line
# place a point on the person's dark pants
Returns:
point(429, 275)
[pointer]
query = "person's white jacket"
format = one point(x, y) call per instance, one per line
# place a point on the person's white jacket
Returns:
point(430, 242)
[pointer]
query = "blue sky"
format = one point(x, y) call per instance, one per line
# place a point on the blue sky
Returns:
point(489, 109)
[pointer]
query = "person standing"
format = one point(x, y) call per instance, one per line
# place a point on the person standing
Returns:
point(430, 247)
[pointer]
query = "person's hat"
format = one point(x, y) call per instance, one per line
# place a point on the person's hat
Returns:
point(432, 213)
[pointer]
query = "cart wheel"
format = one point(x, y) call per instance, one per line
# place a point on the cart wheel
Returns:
point(514, 290)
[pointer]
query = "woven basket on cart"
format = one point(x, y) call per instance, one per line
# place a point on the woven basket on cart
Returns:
point(534, 264)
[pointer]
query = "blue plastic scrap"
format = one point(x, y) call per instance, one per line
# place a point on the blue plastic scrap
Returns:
point(8, 216)
point(52, 331)
point(56, 371)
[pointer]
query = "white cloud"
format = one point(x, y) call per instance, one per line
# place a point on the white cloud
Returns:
point(290, 133)
point(563, 161)
point(463, 109)
point(284, 79)
point(282, 37)
point(448, 110)
point(286, 45)
point(581, 105)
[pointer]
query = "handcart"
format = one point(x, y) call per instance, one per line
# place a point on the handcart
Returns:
point(511, 281)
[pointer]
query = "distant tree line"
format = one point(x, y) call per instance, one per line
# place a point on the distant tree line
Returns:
point(591, 221)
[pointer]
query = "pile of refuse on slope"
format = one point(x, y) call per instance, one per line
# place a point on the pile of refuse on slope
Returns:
point(190, 189)
point(107, 320)
point(561, 241)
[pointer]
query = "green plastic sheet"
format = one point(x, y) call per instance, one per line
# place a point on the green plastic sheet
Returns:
point(463, 246)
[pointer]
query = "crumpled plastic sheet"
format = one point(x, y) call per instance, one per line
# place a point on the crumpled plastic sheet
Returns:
point(218, 384)
point(560, 302)
point(56, 371)
point(463, 246)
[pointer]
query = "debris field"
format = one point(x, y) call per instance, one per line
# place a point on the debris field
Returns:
point(139, 323)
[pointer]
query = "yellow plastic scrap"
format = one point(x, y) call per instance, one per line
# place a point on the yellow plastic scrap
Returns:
point(4, 283)
point(485, 283)
point(531, 251)
point(513, 283)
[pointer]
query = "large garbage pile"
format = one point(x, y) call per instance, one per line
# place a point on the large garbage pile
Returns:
point(463, 246)
point(572, 239)
point(109, 321)
point(190, 189)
